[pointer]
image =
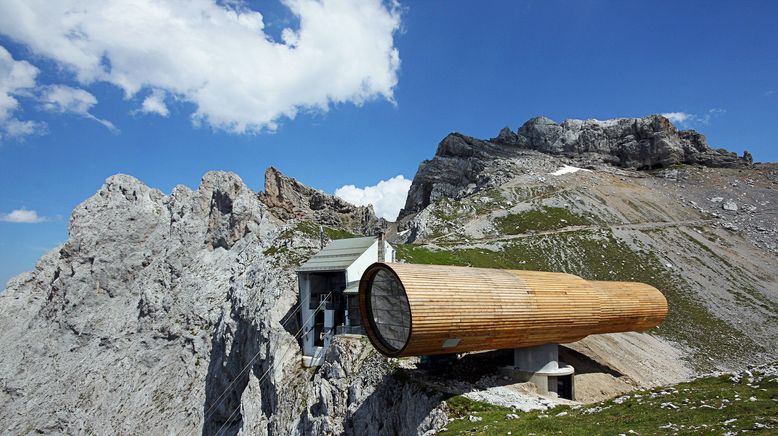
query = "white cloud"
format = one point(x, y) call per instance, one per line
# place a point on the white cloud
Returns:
point(16, 78)
point(677, 117)
point(67, 100)
point(217, 54)
point(61, 98)
point(18, 129)
point(688, 120)
point(155, 104)
point(23, 216)
point(387, 197)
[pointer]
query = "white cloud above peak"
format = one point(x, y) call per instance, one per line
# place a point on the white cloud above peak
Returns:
point(22, 215)
point(387, 196)
point(155, 104)
point(677, 117)
point(218, 56)
point(17, 78)
point(68, 100)
point(689, 120)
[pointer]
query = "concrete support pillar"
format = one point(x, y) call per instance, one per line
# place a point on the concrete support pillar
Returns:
point(537, 359)
point(540, 365)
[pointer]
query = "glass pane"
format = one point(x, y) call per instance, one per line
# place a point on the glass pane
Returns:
point(389, 310)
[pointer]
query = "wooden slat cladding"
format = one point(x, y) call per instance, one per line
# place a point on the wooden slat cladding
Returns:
point(460, 309)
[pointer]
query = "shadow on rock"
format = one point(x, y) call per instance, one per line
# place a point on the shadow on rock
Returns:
point(228, 375)
point(398, 406)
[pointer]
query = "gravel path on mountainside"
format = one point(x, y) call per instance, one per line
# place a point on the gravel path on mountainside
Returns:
point(569, 229)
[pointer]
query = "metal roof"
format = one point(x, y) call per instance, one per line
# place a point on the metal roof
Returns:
point(338, 254)
point(352, 288)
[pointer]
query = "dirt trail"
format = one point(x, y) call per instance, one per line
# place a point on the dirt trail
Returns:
point(570, 229)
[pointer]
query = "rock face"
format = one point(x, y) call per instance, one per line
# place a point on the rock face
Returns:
point(357, 392)
point(291, 199)
point(176, 314)
point(641, 143)
point(707, 237)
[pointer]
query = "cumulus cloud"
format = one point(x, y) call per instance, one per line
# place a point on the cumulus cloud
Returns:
point(67, 100)
point(217, 55)
point(687, 120)
point(17, 78)
point(155, 104)
point(23, 216)
point(387, 197)
point(14, 128)
point(677, 117)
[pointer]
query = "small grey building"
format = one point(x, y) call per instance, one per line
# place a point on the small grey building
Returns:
point(328, 284)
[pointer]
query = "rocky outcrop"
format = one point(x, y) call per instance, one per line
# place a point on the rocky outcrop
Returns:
point(640, 143)
point(358, 392)
point(463, 165)
point(175, 314)
point(289, 199)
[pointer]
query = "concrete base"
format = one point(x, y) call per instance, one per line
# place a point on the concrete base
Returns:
point(314, 357)
point(540, 365)
point(309, 361)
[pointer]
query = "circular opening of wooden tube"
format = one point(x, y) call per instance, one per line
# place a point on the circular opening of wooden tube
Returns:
point(388, 310)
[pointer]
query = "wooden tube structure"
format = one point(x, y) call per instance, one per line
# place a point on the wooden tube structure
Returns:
point(412, 310)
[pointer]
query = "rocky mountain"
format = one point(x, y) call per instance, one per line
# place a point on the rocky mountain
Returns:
point(624, 199)
point(290, 199)
point(177, 313)
point(640, 143)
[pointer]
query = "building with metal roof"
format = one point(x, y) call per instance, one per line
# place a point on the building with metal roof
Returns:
point(328, 284)
point(338, 255)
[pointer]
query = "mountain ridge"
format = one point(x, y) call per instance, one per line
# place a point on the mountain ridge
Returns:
point(176, 313)
point(631, 143)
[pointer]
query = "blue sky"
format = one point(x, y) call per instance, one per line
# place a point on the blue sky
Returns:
point(360, 117)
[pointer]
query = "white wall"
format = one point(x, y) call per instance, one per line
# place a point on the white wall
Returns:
point(369, 257)
point(389, 253)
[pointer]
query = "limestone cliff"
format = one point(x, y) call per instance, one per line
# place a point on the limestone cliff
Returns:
point(458, 167)
point(176, 314)
point(289, 198)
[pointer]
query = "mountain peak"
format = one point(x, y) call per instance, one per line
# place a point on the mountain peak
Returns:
point(641, 143)
point(638, 143)
point(288, 198)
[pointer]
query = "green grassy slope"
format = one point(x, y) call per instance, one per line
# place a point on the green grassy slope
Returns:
point(711, 405)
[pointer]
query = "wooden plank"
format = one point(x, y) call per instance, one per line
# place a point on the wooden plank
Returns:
point(491, 309)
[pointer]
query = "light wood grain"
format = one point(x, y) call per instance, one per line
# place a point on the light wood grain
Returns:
point(490, 309)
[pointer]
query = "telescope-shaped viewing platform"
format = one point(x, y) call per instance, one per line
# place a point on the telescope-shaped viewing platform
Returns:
point(422, 310)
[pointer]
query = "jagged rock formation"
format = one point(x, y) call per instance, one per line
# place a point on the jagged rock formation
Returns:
point(648, 142)
point(706, 236)
point(643, 143)
point(358, 393)
point(291, 199)
point(176, 314)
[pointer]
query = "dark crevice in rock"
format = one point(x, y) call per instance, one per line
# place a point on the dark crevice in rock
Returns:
point(227, 380)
